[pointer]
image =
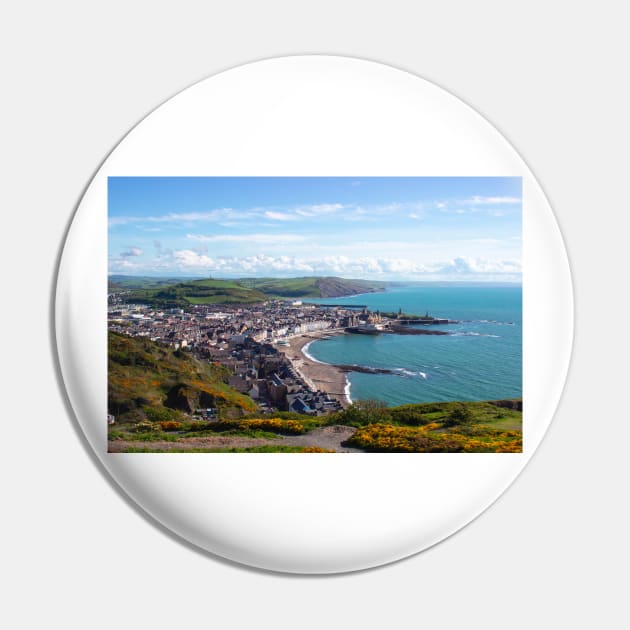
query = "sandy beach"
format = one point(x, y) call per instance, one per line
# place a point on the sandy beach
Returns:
point(322, 376)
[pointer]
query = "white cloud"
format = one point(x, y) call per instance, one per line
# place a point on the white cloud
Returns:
point(132, 251)
point(319, 209)
point(279, 216)
point(232, 217)
point(465, 265)
point(123, 265)
point(479, 200)
point(191, 261)
point(272, 239)
point(187, 258)
point(215, 214)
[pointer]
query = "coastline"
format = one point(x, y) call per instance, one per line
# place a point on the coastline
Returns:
point(317, 375)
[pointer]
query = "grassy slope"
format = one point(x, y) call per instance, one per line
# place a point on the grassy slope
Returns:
point(120, 282)
point(488, 426)
point(316, 287)
point(477, 427)
point(198, 292)
point(283, 287)
point(148, 380)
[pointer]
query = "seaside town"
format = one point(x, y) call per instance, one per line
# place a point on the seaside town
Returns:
point(263, 345)
point(260, 344)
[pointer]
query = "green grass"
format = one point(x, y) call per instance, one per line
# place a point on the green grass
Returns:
point(223, 297)
point(163, 436)
point(315, 286)
point(480, 427)
point(213, 283)
point(125, 283)
point(254, 449)
point(285, 287)
point(486, 414)
point(266, 435)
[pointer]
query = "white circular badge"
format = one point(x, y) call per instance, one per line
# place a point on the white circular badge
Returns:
point(314, 314)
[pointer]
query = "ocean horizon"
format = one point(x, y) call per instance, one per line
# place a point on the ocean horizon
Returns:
point(480, 360)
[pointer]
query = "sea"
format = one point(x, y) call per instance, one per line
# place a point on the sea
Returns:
point(480, 360)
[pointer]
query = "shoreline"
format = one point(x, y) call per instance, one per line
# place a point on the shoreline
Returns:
point(317, 374)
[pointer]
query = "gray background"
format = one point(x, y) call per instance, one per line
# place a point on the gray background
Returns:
point(553, 551)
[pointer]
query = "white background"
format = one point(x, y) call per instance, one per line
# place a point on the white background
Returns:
point(553, 550)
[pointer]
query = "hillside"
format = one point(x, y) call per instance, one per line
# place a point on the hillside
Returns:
point(312, 286)
point(240, 291)
point(367, 426)
point(117, 282)
point(149, 381)
point(197, 292)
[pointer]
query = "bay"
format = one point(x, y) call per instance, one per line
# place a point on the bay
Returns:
point(480, 360)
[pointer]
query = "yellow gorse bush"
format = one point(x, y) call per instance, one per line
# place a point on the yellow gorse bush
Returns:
point(275, 425)
point(315, 449)
point(427, 439)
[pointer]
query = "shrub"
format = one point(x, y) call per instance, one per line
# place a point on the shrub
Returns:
point(315, 449)
point(408, 415)
point(460, 415)
point(161, 414)
point(145, 427)
point(395, 439)
point(170, 425)
point(364, 412)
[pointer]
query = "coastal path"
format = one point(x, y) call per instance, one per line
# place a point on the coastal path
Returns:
point(329, 438)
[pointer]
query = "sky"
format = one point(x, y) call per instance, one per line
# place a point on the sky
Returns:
point(378, 228)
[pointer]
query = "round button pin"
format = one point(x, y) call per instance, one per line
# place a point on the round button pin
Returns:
point(314, 314)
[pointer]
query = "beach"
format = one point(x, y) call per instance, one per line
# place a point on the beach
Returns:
point(317, 375)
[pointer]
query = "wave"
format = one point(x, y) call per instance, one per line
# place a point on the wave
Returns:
point(487, 321)
point(346, 391)
point(410, 373)
point(473, 334)
point(308, 355)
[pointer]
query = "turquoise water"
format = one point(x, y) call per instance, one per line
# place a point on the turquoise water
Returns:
point(481, 360)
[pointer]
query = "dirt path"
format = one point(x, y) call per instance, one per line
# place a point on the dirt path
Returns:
point(329, 438)
point(211, 442)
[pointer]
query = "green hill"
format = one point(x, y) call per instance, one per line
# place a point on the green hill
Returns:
point(240, 291)
point(117, 282)
point(146, 380)
point(312, 286)
point(197, 292)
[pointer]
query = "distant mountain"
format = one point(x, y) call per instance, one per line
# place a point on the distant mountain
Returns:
point(158, 292)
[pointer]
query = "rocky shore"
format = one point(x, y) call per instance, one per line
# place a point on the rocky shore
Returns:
point(413, 330)
point(363, 368)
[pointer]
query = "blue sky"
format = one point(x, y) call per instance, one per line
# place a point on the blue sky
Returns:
point(396, 228)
